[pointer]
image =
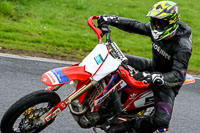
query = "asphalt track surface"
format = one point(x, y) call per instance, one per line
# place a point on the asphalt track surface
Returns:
point(19, 77)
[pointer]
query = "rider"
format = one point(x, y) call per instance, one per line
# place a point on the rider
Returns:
point(171, 49)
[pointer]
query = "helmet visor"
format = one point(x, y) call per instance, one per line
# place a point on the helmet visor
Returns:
point(159, 24)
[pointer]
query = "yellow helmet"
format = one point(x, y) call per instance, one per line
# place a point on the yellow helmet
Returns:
point(164, 17)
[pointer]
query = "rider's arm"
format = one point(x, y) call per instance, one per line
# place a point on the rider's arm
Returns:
point(180, 63)
point(132, 26)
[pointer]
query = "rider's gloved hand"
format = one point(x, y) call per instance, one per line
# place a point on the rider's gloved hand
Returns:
point(107, 20)
point(146, 77)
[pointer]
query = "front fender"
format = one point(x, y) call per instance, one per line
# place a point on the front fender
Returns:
point(64, 75)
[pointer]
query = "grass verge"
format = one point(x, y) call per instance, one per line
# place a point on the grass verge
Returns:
point(59, 27)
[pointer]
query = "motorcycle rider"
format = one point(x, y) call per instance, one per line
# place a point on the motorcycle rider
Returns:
point(171, 49)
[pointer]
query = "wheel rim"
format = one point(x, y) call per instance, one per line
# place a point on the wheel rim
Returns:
point(28, 121)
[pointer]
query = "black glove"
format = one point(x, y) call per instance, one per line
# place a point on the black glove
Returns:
point(106, 20)
point(146, 77)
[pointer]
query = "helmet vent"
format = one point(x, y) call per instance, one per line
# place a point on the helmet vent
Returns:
point(159, 7)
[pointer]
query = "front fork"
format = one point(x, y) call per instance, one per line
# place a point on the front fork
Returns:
point(54, 111)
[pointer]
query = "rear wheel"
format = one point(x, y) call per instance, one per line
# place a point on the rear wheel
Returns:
point(23, 116)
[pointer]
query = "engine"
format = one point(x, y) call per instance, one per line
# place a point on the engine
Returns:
point(83, 113)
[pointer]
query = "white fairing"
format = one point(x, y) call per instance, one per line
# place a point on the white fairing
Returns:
point(109, 66)
point(145, 99)
point(94, 60)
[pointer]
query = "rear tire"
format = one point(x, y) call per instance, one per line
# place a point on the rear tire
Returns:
point(26, 107)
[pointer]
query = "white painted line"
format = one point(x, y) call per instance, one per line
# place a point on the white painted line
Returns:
point(197, 78)
point(35, 58)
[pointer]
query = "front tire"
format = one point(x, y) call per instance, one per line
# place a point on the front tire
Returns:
point(27, 111)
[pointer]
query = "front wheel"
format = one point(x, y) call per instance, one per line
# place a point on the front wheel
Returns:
point(23, 115)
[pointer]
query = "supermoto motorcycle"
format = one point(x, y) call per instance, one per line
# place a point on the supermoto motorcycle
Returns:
point(105, 92)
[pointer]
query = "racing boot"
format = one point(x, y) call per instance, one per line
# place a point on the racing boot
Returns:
point(123, 127)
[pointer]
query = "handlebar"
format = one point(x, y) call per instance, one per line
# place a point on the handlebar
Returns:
point(99, 32)
point(96, 30)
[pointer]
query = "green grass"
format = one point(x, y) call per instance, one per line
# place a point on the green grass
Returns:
point(60, 27)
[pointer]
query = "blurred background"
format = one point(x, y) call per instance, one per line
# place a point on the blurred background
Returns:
point(58, 28)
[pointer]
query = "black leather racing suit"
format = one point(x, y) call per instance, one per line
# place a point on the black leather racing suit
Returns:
point(170, 57)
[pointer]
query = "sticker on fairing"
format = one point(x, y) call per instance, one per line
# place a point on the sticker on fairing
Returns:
point(57, 77)
point(98, 59)
point(60, 76)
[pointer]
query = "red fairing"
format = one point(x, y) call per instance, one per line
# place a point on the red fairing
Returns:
point(134, 96)
point(70, 73)
point(76, 73)
point(134, 84)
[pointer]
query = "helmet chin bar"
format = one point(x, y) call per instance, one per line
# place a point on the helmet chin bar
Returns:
point(156, 34)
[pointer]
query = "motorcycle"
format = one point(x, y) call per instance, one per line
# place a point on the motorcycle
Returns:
point(105, 92)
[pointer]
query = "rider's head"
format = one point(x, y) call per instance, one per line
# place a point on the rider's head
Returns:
point(164, 17)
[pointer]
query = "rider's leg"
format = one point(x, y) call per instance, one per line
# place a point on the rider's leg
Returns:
point(139, 63)
point(164, 101)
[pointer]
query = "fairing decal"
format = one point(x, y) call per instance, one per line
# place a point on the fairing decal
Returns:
point(116, 87)
point(60, 76)
point(125, 87)
point(107, 87)
point(54, 77)
point(137, 99)
point(142, 101)
point(64, 75)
